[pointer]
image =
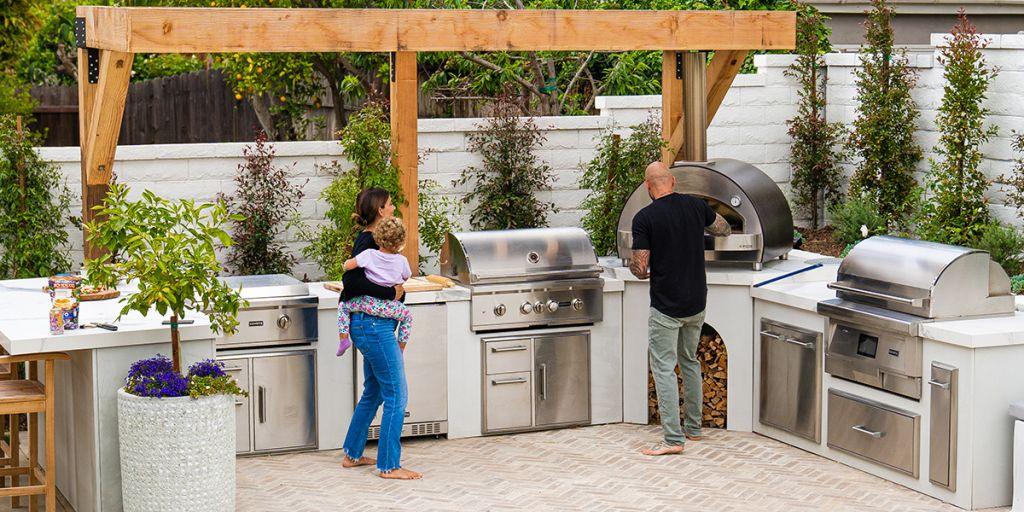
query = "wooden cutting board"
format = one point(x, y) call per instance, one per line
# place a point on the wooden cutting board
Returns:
point(415, 284)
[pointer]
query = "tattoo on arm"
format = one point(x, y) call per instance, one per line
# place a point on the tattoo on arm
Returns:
point(638, 263)
point(720, 227)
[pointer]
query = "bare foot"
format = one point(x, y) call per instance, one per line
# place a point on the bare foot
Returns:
point(401, 474)
point(349, 462)
point(695, 438)
point(663, 450)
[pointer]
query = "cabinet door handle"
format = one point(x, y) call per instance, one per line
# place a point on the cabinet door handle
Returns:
point(804, 344)
point(864, 430)
point(543, 381)
point(772, 335)
point(513, 348)
point(262, 402)
point(942, 385)
point(517, 380)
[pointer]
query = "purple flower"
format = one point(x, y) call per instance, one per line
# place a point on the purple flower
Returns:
point(161, 385)
point(150, 367)
point(207, 368)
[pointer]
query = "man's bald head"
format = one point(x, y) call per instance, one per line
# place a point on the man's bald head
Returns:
point(660, 182)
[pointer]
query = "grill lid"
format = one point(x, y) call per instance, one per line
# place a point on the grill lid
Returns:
point(925, 279)
point(516, 255)
point(267, 286)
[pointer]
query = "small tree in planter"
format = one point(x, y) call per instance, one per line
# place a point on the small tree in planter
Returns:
point(957, 212)
point(171, 426)
point(883, 133)
point(815, 153)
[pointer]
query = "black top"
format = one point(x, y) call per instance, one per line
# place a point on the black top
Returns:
point(355, 283)
point(672, 228)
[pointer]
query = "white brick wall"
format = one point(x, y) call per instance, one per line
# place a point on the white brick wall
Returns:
point(750, 126)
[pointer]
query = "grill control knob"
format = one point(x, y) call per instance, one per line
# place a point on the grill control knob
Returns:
point(526, 308)
point(284, 321)
point(552, 306)
point(500, 310)
point(538, 306)
point(577, 304)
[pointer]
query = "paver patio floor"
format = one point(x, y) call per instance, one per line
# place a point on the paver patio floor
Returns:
point(593, 468)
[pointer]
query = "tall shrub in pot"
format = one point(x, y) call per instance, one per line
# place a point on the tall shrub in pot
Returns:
point(176, 433)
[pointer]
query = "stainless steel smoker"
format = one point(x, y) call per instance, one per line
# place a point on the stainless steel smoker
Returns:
point(757, 211)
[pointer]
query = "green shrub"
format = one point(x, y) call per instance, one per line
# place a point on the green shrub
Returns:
point(956, 211)
point(1005, 244)
point(35, 205)
point(616, 171)
point(852, 218)
point(505, 186)
point(438, 216)
point(1015, 180)
point(1017, 284)
point(883, 133)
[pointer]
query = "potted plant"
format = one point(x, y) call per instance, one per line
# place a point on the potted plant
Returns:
point(176, 433)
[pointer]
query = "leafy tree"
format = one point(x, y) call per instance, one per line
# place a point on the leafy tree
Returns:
point(957, 212)
point(366, 143)
point(883, 134)
point(614, 173)
point(505, 186)
point(34, 207)
point(168, 248)
point(438, 216)
point(816, 151)
point(263, 202)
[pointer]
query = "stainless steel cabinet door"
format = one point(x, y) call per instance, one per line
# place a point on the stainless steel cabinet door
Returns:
point(285, 401)
point(239, 370)
point(561, 372)
point(507, 402)
point(790, 397)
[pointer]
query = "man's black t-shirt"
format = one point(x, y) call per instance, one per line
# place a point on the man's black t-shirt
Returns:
point(672, 228)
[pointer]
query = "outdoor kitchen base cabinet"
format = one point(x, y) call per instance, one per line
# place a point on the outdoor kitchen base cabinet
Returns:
point(874, 431)
point(533, 383)
point(280, 412)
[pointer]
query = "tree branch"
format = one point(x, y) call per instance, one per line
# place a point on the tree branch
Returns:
point(494, 67)
point(579, 72)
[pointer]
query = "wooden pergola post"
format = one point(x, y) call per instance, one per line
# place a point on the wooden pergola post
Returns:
point(109, 37)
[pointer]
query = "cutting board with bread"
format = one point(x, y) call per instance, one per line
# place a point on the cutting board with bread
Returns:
point(431, 283)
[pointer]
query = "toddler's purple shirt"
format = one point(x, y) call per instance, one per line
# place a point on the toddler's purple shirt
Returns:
point(384, 269)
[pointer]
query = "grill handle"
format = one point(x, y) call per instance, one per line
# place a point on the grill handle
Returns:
point(916, 303)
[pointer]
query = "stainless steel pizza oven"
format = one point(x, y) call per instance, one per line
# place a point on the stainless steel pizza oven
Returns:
point(526, 277)
point(886, 288)
point(757, 211)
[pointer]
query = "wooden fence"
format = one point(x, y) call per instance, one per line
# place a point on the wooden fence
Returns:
point(199, 107)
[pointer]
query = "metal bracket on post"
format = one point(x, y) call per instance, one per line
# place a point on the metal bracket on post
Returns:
point(679, 65)
point(93, 55)
point(80, 32)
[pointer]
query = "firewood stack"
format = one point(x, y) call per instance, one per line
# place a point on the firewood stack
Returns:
point(714, 369)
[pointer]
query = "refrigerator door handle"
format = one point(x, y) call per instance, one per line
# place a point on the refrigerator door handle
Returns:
point(262, 402)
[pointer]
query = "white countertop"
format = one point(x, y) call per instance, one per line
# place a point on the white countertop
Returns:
point(735, 275)
point(25, 323)
point(329, 298)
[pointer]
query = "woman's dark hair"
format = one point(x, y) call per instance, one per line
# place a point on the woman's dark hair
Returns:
point(368, 205)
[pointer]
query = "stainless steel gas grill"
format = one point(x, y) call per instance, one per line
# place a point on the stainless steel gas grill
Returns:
point(273, 358)
point(886, 288)
point(526, 277)
point(757, 210)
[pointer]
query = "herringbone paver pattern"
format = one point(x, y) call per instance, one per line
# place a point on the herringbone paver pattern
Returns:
point(593, 468)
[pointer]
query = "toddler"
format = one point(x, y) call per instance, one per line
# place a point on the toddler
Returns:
point(385, 267)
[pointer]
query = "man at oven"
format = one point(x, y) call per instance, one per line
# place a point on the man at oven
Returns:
point(668, 247)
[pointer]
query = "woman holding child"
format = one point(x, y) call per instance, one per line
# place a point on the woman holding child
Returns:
point(370, 312)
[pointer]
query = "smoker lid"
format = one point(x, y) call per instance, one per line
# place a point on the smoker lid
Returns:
point(926, 279)
point(513, 255)
point(267, 286)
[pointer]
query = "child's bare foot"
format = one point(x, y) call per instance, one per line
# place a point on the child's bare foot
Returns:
point(401, 474)
point(349, 462)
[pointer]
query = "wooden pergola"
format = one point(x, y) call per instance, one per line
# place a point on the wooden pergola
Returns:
point(109, 37)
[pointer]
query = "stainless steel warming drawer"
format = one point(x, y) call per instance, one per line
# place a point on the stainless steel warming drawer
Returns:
point(874, 431)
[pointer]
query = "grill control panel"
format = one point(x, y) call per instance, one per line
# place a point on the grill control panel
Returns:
point(556, 303)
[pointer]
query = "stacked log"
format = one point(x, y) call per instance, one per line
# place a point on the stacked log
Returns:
point(714, 372)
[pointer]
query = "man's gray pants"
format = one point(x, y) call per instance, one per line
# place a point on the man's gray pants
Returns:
point(674, 341)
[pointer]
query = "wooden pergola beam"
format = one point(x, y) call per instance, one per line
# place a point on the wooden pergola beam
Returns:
point(404, 89)
point(212, 30)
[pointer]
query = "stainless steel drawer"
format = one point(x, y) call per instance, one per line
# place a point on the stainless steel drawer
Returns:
point(874, 431)
point(238, 368)
point(508, 401)
point(508, 355)
point(274, 322)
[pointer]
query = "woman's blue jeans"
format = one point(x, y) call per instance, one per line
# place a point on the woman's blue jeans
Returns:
point(383, 382)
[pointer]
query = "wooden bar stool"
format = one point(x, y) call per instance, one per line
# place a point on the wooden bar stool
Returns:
point(10, 454)
point(30, 397)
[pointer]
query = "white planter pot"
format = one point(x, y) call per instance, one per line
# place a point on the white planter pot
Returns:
point(177, 454)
